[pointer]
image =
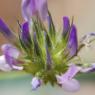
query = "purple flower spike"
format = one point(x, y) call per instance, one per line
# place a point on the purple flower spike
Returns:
point(72, 42)
point(36, 82)
point(66, 26)
point(67, 81)
point(6, 31)
point(11, 54)
point(32, 8)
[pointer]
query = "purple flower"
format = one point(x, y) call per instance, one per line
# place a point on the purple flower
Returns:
point(11, 54)
point(66, 80)
point(7, 32)
point(32, 8)
point(66, 26)
point(36, 82)
point(72, 42)
point(3, 64)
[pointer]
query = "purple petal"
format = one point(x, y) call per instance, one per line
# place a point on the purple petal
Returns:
point(67, 81)
point(66, 26)
point(88, 69)
point(3, 64)
point(42, 8)
point(11, 54)
point(71, 85)
point(25, 27)
point(25, 35)
point(10, 50)
point(6, 31)
point(4, 28)
point(36, 82)
point(25, 31)
point(72, 42)
point(28, 9)
point(93, 67)
point(92, 70)
point(32, 8)
point(71, 72)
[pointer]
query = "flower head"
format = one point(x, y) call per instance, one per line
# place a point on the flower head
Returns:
point(45, 53)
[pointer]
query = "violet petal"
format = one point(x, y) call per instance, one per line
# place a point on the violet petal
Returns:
point(72, 42)
point(71, 72)
point(3, 64)
point(6, 31)
point(66, 26)
point(25, 35)
point(32, 8)
point(28, 9)
point(71, 85)
point(35, 83)
point(67, 81)
point(11, 54)
point(10, 50)
point(91, 68)
point(42, 8)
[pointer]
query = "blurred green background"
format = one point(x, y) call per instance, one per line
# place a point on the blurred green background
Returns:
point(18, 83)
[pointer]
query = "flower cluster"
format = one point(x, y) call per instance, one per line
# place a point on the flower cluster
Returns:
point(43, 52)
